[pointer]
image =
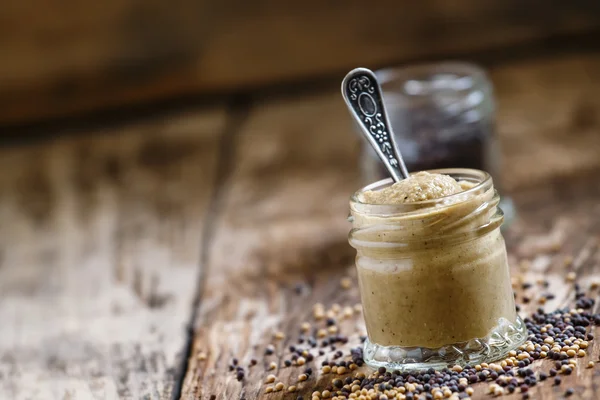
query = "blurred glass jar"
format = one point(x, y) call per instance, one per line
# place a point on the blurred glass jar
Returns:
point(443, 116)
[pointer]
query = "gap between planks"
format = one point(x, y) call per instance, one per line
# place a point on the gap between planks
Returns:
point(236, 113)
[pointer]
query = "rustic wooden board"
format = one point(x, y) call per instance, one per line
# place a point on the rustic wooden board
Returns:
point(101, 236)
point(281, 218)
point(124, 52)
point(281, 222)
point(99, 244)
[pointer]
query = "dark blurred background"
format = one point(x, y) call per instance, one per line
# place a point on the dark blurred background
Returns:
point(60, 59)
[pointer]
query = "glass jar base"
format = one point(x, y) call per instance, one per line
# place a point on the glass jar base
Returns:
point(506, 337)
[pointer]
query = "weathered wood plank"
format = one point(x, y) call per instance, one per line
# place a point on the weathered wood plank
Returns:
point(558, 232)
point(99, 243)
point(282, 221)
point(124, 52)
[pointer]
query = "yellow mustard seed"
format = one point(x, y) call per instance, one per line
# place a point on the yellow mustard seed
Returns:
point(279, 386)
point(346, 283)
point(270, 378)
point(348, 312)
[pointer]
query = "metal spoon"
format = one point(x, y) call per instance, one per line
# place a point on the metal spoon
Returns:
point(362, 94)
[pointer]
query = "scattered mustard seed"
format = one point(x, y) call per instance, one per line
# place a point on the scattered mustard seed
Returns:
point(279, 335)
point(348, 312)
point(345, 283)
point(305, 327)
point(568, 260)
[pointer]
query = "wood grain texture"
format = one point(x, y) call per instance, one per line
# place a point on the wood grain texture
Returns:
point(99, 245)
point(124, 52)
point(281, 219)
point(282, 222)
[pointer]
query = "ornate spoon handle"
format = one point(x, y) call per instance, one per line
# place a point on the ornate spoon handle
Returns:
point(362, 94)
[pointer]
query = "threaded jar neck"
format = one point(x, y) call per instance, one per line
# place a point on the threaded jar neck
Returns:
point(459, 217)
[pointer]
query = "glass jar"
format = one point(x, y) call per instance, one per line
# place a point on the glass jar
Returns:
point(443, 116)
point(434, 278)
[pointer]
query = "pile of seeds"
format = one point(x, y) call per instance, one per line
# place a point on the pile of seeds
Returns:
point(562, 336)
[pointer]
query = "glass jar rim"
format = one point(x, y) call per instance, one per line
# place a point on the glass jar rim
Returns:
point(483, 182)
point(391, 74)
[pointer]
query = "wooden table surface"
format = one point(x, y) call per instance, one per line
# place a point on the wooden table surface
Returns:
point(136, 261)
